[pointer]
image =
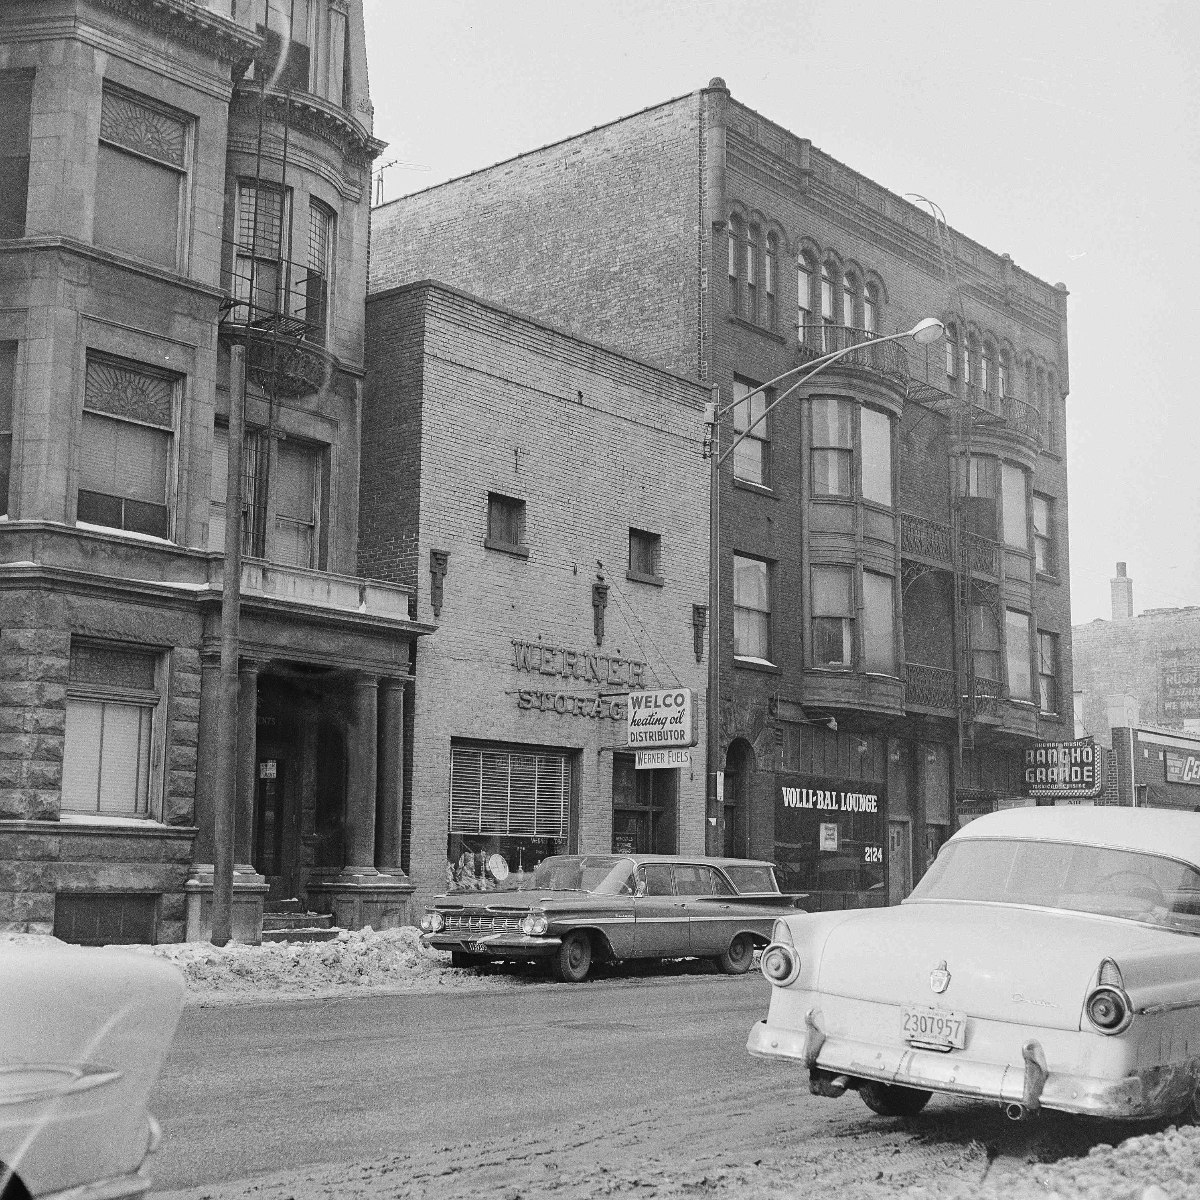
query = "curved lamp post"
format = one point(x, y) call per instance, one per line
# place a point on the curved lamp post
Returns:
point(923, 333)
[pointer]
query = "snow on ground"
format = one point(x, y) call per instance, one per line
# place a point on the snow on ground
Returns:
point(363, 960)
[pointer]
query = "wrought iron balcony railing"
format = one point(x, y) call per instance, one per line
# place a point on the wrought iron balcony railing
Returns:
point(868, 352)
point(928, 687)
point(922, 538)
point(275, 295)
point(979, 554)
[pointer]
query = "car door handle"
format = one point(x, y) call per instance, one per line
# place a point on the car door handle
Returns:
point(681, 904)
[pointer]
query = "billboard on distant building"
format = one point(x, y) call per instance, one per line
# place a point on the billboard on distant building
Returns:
point(1180, 689)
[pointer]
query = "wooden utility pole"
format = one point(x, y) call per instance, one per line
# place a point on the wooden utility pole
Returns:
point(225, 791)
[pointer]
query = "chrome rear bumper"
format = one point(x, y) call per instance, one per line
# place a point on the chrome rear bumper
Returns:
point(1026, 1080)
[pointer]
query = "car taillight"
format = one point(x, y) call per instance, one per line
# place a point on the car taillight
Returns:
point(1110, 975)
point(780, 964)
point(781, 932)
point(1108, 1008)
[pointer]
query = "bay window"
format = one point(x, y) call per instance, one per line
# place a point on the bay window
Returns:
point(985, 643)
point(833, 616)
point(112, 698)
point(879, 624)
point(875, 436)
point(141, 170)
point(1012, 486)
point(832, 446)
point(751, 608)
point(125, 453)
point(1016, 631)
point(1047, 671)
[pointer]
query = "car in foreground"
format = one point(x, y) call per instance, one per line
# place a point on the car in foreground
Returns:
point(576, 909)
point(83, 1033)
point(1050, 958)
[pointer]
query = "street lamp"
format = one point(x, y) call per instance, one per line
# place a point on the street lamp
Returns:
point(923, 333)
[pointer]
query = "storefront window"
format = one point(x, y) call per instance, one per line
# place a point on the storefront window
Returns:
point(644, 805)
point(509, 809)
point(830, 839)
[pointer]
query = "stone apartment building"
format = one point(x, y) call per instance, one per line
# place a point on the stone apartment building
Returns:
point(178, 176)
point(892, 622)
point(546, 500)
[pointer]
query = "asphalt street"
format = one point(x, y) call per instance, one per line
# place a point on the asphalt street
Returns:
point(468, 1094)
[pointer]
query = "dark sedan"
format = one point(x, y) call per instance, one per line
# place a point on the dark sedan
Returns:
point(577, 909)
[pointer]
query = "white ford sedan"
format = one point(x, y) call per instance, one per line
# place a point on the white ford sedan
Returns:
point(83, 1033)
point(1050, 958)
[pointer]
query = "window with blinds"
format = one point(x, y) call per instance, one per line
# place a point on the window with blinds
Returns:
point(107, 751)
point(509, 793)
point(141, 169)
point(125, 447)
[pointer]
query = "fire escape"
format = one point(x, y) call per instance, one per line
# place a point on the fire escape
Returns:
point(275, 306)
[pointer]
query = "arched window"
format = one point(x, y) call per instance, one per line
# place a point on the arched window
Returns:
point(804, 274)
point(1002, 375)
point(751, 312)
point(1046, 401)
point(951, 351)
point(849, 301)
point(987, 373)
point(970, 350)
point(735, 237)
point(826, 308)
point(871, 308)
point(769, 261)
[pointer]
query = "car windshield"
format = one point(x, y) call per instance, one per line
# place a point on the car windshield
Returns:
point(756, 878)
point(1080, 878)
point(605, 874)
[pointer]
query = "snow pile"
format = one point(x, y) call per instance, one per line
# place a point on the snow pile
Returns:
point(391, 959)
point(1153, 1166)
point(387, 960)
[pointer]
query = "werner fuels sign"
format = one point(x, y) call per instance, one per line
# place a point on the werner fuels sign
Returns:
point(659, 719)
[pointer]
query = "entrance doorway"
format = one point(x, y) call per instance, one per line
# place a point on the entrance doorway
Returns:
point(735, 823)
point(644, 807)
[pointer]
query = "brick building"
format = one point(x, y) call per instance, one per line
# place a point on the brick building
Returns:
point(545, 499)
point(1143, 666)
point(893, 613)
point(176, 176)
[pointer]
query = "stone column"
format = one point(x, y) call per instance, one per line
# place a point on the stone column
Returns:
point(360, 786)
point(206, 754)
point(390, 787)
point(247, 761)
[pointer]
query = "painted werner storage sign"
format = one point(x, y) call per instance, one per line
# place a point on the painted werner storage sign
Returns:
point(660, 719)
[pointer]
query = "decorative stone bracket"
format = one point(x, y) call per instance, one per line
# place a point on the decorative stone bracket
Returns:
point(599, 604)
point(699, 622)
point(439, 565)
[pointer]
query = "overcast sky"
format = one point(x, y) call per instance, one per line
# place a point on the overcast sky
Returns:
point(1063, 133)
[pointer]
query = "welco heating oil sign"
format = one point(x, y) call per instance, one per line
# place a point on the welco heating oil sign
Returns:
point(658, 719)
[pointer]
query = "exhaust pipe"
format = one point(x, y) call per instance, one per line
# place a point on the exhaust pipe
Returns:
point(1016, 1112)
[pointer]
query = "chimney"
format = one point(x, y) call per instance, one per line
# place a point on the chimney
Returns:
point(1122, 595)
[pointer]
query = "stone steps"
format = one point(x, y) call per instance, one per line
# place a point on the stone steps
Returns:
point(287, 921)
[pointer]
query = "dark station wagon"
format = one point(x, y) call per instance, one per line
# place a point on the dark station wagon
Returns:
point(576, 909)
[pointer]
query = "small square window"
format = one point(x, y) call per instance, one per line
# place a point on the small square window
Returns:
point(644, 556)
point(506, 524)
